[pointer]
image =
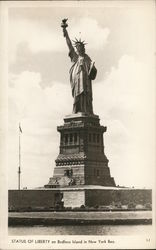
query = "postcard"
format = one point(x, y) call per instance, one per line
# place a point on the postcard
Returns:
point(77, 107)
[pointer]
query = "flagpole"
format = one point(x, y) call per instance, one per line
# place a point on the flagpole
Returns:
point(19, 167)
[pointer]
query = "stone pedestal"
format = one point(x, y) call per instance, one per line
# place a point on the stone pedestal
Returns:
point(81, 159)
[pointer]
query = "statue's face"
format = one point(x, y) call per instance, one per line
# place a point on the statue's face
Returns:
point(80, 49)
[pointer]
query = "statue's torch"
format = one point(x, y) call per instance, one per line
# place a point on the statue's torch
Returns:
point(64, 25)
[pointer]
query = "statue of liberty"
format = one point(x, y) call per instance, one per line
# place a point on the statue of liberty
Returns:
point(82, 72)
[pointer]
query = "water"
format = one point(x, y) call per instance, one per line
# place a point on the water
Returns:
point(82, 230)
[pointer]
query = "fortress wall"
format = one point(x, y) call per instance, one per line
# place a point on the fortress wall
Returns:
point(123, 196)
point(23, 199)
point(32, 198)
point(92, 197)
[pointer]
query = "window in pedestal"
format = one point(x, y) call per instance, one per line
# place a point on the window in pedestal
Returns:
point(94, 171)
point(90, 137)
point(102, 139)
point(75, 137)
point(94, 138)
point(98, 138)
point(71, 138)
point(66, 139)
point(68, 172)
point(98, 172)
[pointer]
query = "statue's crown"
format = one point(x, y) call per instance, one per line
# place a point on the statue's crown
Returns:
point(76, 42)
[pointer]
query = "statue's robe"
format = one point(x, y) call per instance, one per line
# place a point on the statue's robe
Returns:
point(80, 79)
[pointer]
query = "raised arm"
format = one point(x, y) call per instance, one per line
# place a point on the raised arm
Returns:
point(68, 41)
point(72, 54)
point(64, 25)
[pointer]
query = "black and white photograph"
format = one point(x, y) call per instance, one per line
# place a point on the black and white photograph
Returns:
point(77, 149)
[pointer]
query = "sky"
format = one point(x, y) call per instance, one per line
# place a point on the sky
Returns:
point(120, 38)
